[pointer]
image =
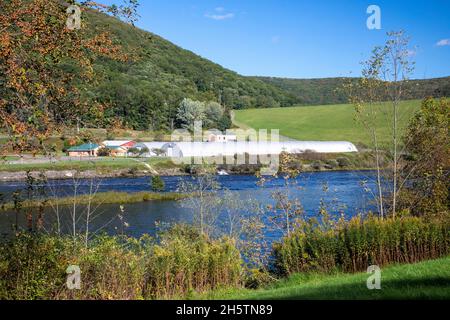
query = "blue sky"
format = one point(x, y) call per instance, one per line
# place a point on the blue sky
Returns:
point(300, 39)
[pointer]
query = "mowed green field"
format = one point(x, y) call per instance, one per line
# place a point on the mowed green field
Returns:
point(325, 123)
point(424, 280)
point(106, 164)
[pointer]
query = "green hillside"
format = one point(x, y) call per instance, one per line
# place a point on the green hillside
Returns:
point(146, 92)
point(329, 90)
point(322, 123)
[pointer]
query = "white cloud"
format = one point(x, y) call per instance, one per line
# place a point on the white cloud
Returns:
point(220, 16)
point(443, 42)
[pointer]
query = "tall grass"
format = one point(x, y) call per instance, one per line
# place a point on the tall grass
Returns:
point(33, 266)
point(353, 246)
point(186, 261)
point(181, 262)
point(109, 197)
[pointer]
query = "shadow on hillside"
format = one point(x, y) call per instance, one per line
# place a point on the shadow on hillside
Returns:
point(390, 289)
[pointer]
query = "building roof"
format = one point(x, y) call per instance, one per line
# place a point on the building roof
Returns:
point(211, 149)
point(116, 148)
point(115, 143)
point(84, 147)
point(208, 149)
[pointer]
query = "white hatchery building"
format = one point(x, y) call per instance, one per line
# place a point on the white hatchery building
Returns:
point(214, 149)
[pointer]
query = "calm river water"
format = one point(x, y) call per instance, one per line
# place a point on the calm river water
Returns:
point(343, 191)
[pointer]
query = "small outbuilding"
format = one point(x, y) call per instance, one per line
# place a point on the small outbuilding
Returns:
point(222, 137)
point(85, 150)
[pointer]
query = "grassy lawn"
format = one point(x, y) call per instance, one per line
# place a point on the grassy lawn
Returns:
point(97, 164)
point(329, 122)
point(424, 280)
point(9, 158)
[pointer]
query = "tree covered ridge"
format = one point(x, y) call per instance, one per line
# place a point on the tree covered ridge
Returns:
point(146, 92)
point(329, 90)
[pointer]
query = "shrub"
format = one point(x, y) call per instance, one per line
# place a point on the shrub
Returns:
point(133, 171)
point(111, 268)
point(34, 267)
point(343, 162)
point(257, 278)
point(110, 135)
point(134, 151)
point(157, 184)
point(159, 136)
point(353, 246)
point(186, 261)
point(103, 152)
point(427, 165)
point(331, 164)
point(316, 165)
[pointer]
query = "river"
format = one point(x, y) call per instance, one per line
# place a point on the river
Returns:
point(341, 191)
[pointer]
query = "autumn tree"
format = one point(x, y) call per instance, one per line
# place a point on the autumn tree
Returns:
point(47, 48)
point(424, 187)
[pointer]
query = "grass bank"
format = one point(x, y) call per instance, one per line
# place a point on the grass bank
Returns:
point(328, 122)
point(424, 280)
point(110, 197)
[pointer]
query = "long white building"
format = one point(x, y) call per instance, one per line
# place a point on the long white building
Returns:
point(214, 149)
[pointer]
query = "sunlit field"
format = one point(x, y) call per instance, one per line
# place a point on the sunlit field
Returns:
point(322, 123)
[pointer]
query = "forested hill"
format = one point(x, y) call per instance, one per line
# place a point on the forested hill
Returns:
point(329, 90)
point(146, 93)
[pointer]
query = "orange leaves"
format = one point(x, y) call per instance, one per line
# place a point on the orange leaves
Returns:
point(102, 44)
point(41, 64)
point(5, 45)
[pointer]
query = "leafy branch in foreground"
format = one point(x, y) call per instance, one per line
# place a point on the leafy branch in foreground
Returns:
point(44, 66)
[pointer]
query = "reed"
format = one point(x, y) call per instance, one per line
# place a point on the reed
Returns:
point(354, 245)
point(33, 266)
point(186, 261)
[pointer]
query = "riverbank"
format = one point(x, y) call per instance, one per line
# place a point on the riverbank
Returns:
point(8, 176)
point(88, 168)
point(423, 280)
point(16, 176)
point(137, 167)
